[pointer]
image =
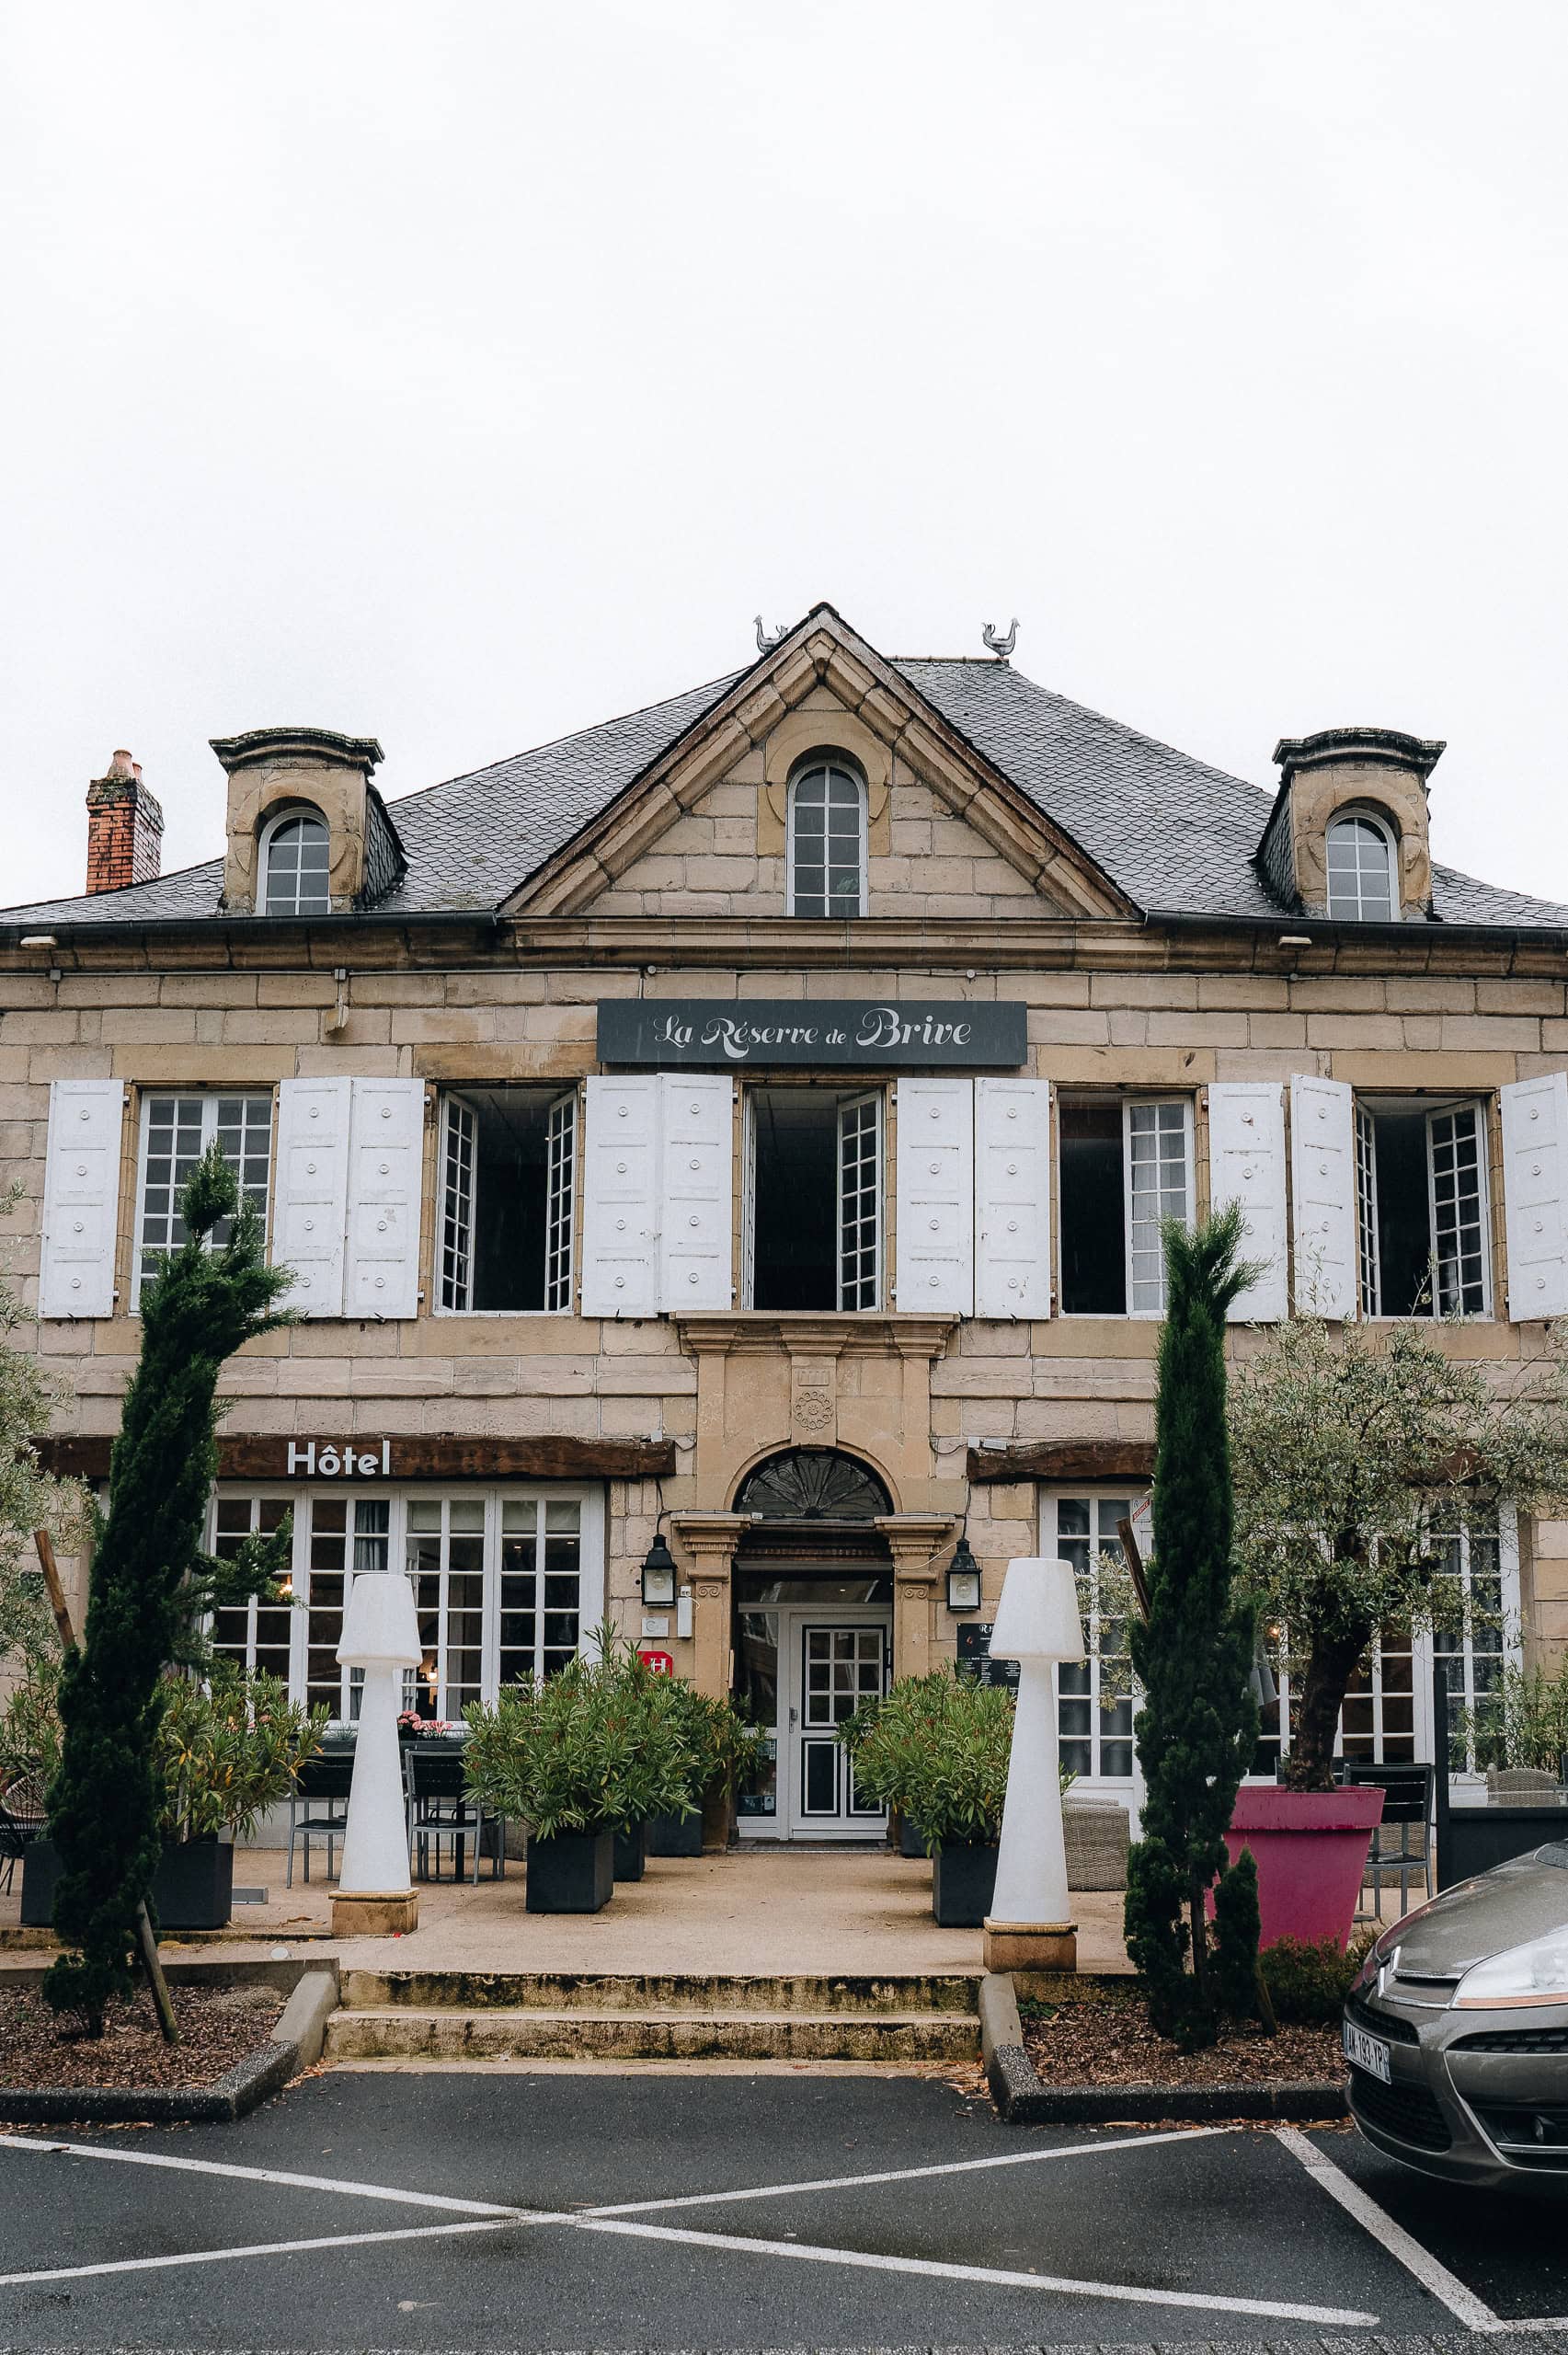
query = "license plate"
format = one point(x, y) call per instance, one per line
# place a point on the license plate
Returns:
point(1363, 2051)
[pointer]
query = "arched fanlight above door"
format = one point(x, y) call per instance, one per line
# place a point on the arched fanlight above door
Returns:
point(812, 1484)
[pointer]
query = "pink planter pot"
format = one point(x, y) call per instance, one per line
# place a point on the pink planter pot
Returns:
point(1311, 1848)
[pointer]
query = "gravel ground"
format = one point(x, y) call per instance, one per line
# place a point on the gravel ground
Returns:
point(218, 2026)
point(1113, 2044)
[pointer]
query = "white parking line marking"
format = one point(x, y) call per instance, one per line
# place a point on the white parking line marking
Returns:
point(261, 2175)
point(1434, 2276)
point(911, 2175)
point(261, 2248)
point(929, 2269)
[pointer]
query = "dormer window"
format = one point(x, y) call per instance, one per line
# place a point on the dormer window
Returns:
point(1361, 858)
point(294, 860)
point(825, 846)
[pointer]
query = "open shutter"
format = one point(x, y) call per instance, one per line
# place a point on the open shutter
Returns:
point(386, 1134)
point(935, 1241)
point(81, 1197)
point(1012, 1197)
point(619, 1214)
point(1246, 1164)
point(1323, 1175)
point(310, 1204)
point(1535, 1194)
point(697, 1155)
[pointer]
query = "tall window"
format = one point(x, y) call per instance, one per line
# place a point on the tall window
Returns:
point(445, 1555)
point(257, 1637)
point(509, 1168)
point(294, 861)
point(1361, 868)
point(813, 1208)
point(1125, 1165)
point(176, 1132)
point(1423, 1214)
point(827, 841)
point(1095, 1706)
point(541, 1597)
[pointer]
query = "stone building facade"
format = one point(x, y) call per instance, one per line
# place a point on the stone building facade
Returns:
point(747, 1123)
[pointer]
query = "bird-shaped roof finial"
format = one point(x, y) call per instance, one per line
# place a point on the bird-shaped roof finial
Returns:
point(1001, 647)
point(765, 644)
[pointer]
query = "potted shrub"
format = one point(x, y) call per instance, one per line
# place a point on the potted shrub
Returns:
point(1356, 1456)
point(939, 1753)
point(1519, 1734)
point(223, 1753)
point(720, 1749)
point(578, 1756)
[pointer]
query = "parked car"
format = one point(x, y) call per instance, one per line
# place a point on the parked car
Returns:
point(1457, 2029)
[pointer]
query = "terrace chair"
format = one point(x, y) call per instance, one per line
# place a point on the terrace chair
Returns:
point(22, 1821)
point(1400, 1844)
point(441, 1808)
point(318, 1806)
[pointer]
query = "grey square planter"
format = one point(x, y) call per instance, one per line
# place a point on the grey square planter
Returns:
point(629, 1853)
point(963, 1880)
point(573, 1873)
point(675, 1835)
point(192, 1889)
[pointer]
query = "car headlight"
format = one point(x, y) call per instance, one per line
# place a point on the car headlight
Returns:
point(1536, 1973)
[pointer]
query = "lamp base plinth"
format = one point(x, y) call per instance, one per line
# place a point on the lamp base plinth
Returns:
point(1030, 1946)
point(374, 1912)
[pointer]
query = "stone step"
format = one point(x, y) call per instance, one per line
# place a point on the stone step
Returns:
point(843, 1992)
point(578, 2033)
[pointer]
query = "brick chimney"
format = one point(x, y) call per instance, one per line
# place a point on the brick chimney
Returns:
point(125, 828)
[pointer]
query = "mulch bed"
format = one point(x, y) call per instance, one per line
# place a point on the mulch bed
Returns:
point(218, 2026)
point(1111, 2043)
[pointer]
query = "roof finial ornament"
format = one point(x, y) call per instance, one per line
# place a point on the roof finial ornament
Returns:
point(765, 644)
point(1001, 647)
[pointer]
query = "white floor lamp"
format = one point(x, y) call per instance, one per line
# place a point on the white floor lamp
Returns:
point(1036, 1624)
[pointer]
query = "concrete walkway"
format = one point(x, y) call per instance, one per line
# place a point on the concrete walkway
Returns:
point(799, 1911)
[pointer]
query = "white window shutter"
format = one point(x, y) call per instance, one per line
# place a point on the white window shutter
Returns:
point(1535, 1194)
point(386, 1136)
point(81, 1197)
point(697, 1157)
point(936, 1242)
point(620, 1212)
point(310, 1203)
point(1012, 1197)
point(1246, 1164)
point(1323, 1176)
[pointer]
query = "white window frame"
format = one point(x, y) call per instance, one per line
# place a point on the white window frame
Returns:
point(1130, 1787)
point(843, 766)
point(293, 814)
point(254, 1499)
point(208, 1098)
point(848, 1101)
point(1370, 1272)
point(561, 1173)
point(588, 1496)
point(875, 1099)
point(1355, 813)
point(1131, 1106)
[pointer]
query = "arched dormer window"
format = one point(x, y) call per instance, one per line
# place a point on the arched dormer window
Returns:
point(1361, 869)
point(294, 864)
point(826, 845)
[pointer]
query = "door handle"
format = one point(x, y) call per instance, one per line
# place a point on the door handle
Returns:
point(792, 1716)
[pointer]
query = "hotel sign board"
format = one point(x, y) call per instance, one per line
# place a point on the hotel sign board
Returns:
point(765, 1033)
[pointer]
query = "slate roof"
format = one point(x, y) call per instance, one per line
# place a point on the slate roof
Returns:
point(1178, 836)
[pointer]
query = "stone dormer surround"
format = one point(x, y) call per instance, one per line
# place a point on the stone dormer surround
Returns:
point(270, 770)
point(1380, 769)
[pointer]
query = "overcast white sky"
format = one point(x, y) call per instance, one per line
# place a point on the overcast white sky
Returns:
point(464, 374)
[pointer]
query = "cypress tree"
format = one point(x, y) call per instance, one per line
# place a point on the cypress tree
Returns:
point(1193, 1655)
point(150, 1586)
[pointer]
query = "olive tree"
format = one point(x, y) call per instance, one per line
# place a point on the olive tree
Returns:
point(1355, 1454)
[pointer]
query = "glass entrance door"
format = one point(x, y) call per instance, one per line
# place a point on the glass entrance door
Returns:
point(838, 1664)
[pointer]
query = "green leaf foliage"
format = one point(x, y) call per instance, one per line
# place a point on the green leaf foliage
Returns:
point(936, 1747)
point(602, 1741)
point(1191, 1656)
point(30, 1498)
point(1357, 1455)
point(150, 1582)
point(1308, 1982)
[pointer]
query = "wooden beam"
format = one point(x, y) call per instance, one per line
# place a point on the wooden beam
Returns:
point(1069, 1459)
point(434, 1457)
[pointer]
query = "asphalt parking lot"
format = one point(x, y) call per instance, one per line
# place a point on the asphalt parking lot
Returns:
point(576, 2211)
